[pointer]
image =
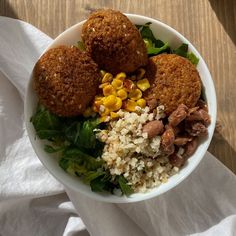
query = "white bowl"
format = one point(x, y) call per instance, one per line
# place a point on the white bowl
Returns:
point(167, 34)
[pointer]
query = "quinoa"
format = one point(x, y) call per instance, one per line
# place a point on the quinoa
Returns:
point(129, 152)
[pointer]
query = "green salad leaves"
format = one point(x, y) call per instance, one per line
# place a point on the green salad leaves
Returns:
point(74, 139)
point(156, 46)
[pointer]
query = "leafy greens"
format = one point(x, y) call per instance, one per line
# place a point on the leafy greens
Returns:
point(156, 46)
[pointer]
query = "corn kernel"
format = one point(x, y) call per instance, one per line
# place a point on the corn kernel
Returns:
point(121, 76)
point(122, 94)
point(117, 83)
point(129, 85)
point(101, 86)
point(104, 111)
point(117, 105)
point(143, 84)
point(135, 94)
point(141, 102)
point(109, 101)
point(114, 115)
point(141, 73)
point(104, 119)
point(107, 78)
point(130, 105)
point(109, 90)
point(96, 105)
point(88, 112)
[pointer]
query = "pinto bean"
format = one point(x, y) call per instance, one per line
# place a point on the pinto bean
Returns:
point(178, 115)
point(200, 115)
point(167, 141)
point(202, 105)
point(176, 160)
point(152, 103)
point(196, 128)
point(153, 128)
point(181, 141)
point(190, 148)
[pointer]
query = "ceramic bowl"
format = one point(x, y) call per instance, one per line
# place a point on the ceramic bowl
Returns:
point(166, 34)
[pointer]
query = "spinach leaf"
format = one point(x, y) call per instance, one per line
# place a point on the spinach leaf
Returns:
point(98, 185)
point(125, 188)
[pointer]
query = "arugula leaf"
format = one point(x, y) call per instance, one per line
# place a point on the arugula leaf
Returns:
point(51, 149)
point(86, 137)
point(155, 51)
point(192, 57)
point(80, 45)
point(97, 185)
point(125, 188)
point(46, 124)
point(183, 51)
point(154, 46)
point(77, 156)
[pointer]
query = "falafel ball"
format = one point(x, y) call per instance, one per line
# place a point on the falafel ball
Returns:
point(114, 42)
point(66, 80)
point(174, 80)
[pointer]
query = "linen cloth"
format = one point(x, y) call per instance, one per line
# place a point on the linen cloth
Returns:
point(32, 202)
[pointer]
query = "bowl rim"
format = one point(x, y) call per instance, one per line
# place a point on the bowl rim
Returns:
point(141, 196)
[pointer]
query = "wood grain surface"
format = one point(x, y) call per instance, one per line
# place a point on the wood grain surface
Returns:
point(209, 24)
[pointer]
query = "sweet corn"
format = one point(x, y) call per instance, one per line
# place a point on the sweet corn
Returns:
point(141, 102)
point(141, 73)
point(88, 112)
point(130, 105)
point(129, 85)
point(122, 94)
point(102, 73)
point(104, 119)
point(143, 84)
point(117, 83)
point(96, 105)
point(101, 86)
point(118, 104)
point(109, 101)
point(107, 78)
point(121, 76)
point(114, 115)
point(104, 111)
point(135, 94)
point(109, 90)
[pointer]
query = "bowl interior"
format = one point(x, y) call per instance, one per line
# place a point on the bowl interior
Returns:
point(165, 33)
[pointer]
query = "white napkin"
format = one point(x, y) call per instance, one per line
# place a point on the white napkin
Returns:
point(32, 202)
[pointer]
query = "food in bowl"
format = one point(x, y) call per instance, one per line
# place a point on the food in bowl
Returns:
point(125, 139)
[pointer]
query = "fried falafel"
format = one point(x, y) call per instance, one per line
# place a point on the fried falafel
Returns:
point(66, 80)
point(174, 80)
point(114, 42)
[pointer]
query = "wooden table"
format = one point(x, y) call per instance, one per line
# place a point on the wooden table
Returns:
point(209, 24)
